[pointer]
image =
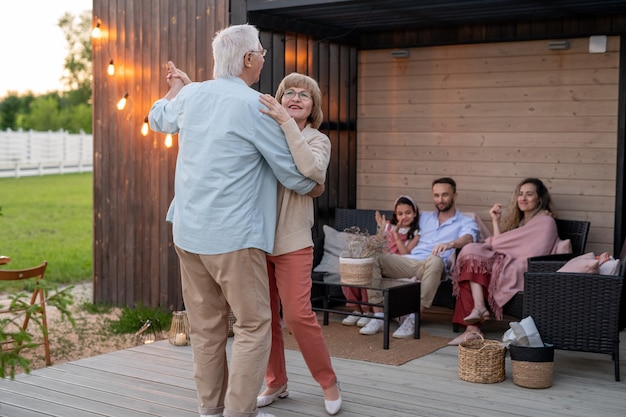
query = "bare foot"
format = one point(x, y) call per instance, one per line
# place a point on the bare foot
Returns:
point(471, 333)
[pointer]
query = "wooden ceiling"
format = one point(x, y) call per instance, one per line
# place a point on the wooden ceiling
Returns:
point(347, 20)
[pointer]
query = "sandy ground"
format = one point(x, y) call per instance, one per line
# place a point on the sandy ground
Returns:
point(89, 337)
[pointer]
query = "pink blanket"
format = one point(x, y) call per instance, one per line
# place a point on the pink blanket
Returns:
point(505, 256)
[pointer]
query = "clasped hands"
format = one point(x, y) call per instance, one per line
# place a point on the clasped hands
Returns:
point(174, 74)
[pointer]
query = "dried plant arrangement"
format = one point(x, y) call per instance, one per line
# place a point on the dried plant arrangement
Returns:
point(363, 245)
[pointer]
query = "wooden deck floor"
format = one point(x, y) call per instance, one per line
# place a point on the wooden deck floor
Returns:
point(156, 380)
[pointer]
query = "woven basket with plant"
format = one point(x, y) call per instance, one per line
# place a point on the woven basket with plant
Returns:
point(356, 262)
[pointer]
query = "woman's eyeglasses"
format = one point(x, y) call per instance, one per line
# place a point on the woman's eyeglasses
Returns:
point(304, 96)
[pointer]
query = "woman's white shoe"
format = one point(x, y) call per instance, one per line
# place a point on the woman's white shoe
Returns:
point(333, 406)
point(263, 400)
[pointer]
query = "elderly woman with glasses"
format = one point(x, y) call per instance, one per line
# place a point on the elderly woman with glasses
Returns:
point(297, 109)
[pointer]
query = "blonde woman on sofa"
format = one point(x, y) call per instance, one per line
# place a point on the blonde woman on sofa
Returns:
point(494, 270)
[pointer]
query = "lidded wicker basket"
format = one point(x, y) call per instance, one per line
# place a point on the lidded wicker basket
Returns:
point(481, 360)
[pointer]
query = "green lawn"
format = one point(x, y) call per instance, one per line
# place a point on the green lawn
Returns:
point(49, 218)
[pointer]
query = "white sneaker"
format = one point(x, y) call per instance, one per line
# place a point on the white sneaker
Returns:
point(407, 329)
point(372, 327)
point(262, 414)
point(364, 320)
point(352, 319)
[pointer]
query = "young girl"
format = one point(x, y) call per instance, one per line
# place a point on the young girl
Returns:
point(402, 231)
point(402, 234)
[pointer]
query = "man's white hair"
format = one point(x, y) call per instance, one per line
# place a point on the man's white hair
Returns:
point(230, 45)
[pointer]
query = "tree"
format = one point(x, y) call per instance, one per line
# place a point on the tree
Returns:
point(12, 107)
point(9, 109)
point(78, 62)
point(69, 109)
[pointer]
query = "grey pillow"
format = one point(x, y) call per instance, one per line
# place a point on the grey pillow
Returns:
point(335, 243)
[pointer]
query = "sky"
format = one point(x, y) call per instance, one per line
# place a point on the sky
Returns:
point(33, 47)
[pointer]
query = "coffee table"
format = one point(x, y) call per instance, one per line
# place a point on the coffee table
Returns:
point(400, 297)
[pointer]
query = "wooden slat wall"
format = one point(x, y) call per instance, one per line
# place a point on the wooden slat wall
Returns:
point(489, 115)
point(134, 261)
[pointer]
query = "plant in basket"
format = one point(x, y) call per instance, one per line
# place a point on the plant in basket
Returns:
point(356, 262)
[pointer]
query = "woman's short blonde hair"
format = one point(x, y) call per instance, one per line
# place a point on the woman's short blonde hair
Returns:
point(304, 81)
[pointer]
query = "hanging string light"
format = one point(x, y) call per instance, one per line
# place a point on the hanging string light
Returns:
point(122, 103)
point(145, 128)
point(95, 33)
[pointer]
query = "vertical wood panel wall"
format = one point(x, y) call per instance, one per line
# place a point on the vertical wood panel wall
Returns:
point(134, 261)
point(334, 68)
point(489, 115)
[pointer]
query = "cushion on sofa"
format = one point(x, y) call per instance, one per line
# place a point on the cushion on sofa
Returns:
point(583, 264)
point(610, 266)
point(563, 246)
point(335, 243)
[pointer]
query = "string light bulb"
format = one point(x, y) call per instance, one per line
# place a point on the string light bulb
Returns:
point(145, 128)
point(111, 68)
point(95, 33)
point(168, 140)
point(122, 103)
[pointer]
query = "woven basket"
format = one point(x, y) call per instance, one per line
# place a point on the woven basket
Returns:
point(481, 360)
point(355, 271)
point(231, 322)
point(532, 374)
point(532, 367)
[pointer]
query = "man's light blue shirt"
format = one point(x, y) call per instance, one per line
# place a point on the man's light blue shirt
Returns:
point(230, 156)
point(432, 234)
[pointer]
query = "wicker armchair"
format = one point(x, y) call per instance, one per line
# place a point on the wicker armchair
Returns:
point(575, 311)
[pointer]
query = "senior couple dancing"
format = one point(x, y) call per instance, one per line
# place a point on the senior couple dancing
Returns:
point(247, 169)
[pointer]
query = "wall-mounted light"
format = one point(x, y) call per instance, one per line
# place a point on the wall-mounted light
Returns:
point(122, 103)
point(95, 33)
point(145, 128)
point(111, 68)
point(400, 53)
point(556, 45)
point(168, 140)
point(597, 44)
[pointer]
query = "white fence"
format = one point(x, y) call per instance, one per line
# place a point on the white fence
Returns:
point(39, 153)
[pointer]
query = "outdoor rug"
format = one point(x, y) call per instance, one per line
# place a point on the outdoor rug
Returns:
point(346, 342)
